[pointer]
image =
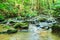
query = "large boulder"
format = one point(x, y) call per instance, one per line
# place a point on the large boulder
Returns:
point(21, 25)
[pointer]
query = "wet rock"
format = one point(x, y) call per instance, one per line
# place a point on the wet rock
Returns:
point(33, 22)
point(49, 21)
point(4, 22)
point(21, 26)
point(38, 25)
point(42, 19)
point(12, 22)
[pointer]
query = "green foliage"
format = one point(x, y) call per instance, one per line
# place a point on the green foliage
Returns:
point(2, 17)
point(56, 12)
point(28, 8)
point(13, 7)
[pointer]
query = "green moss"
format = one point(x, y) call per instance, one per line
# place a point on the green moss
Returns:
point(7, 27)
point(42, 19)
point(22, 24)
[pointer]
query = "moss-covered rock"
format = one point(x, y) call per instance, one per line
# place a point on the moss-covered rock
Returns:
point(12, 23)
point(7, 29)
point(42, 19)
point(21, 25)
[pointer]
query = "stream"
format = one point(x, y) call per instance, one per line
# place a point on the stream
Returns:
point(33, 33)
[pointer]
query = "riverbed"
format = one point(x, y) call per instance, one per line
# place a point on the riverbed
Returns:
point(32, 34)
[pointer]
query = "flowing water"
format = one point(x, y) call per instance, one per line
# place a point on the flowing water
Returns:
point(33, 34)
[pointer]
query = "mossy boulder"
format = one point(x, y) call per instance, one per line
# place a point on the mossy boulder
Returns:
point(42, 19)
point(22, 25)
point(12, 23)
point(6, 29)
point(10, 29)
